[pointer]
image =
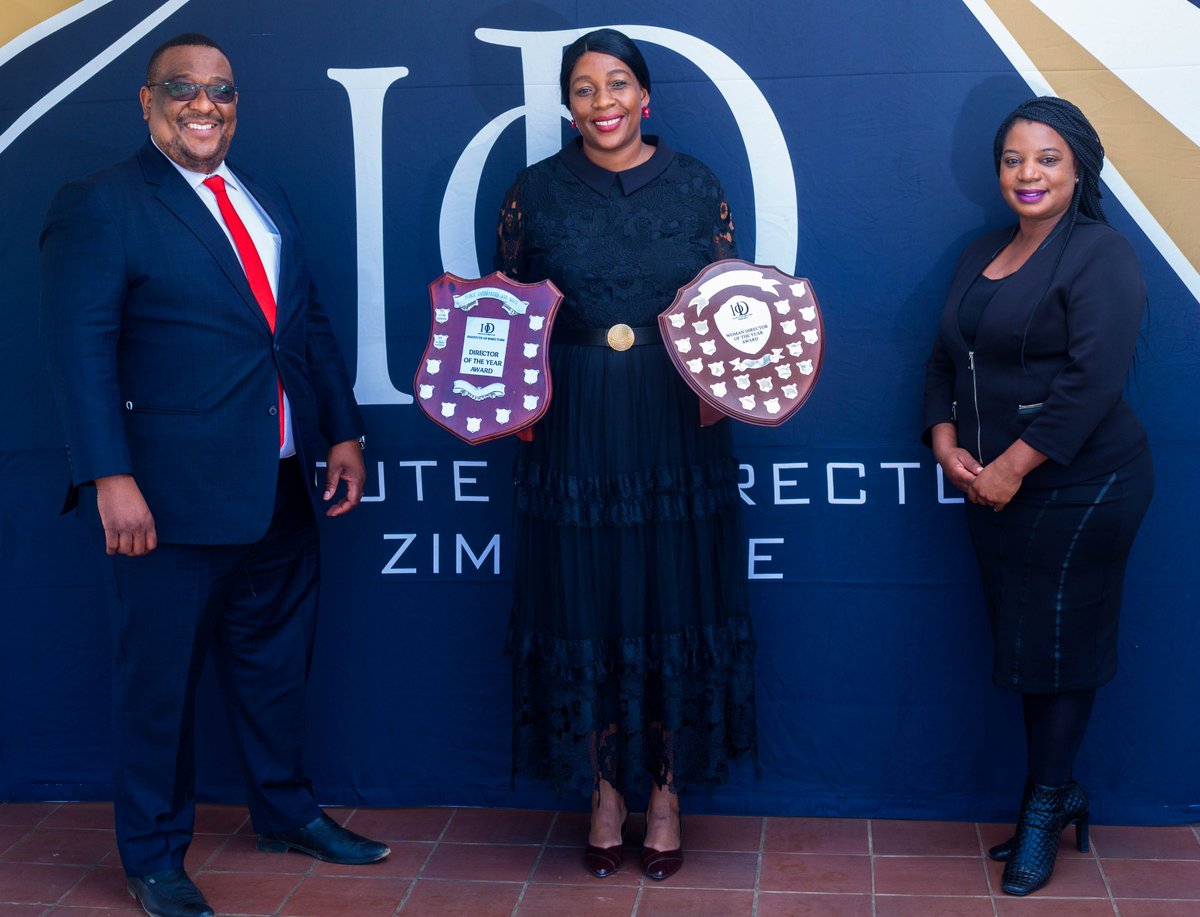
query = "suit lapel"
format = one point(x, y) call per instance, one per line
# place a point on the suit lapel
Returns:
point(1019, 295)
point(280, 215)
point(966, 276)
point(963, 278)
point(1014, 303)
point(178, 197)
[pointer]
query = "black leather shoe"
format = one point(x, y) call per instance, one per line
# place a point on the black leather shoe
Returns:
point(326, 840)
point(1043, 818)
point(1075, 805)
point(169, 893)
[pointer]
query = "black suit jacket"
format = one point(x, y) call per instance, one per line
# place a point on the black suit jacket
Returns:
point(162, 363)
point(1050, 358)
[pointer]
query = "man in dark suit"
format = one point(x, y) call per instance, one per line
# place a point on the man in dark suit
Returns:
point(198, 381)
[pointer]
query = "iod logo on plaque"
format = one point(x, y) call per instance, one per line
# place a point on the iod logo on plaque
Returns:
point(485, 372)
point(748, 339)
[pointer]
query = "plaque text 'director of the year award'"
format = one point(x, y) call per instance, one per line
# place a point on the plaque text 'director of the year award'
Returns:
point(748, 339)
point(485, 372)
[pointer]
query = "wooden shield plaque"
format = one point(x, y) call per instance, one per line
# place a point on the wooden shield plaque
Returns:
point(485, 372)
point(748, 339)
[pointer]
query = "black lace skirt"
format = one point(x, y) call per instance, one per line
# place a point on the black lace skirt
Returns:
point(631, 644)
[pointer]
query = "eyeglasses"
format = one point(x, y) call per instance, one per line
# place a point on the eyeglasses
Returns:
point(218, 93)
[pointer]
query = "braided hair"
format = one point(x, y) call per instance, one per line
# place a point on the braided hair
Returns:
point(1080, 136)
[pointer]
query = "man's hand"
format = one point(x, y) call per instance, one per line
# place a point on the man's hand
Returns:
point(344, 464)
point(128, 522)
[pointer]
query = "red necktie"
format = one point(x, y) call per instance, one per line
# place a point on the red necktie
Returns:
point(252, 264)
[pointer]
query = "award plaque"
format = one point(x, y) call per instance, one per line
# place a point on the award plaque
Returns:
point(485, 372)
point(748, 339)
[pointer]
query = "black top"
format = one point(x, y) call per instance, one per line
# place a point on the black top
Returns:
point(974, 303)
point(622, 258)
point(1050, 356)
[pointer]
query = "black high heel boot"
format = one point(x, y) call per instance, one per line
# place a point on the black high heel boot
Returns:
point(1043, 818)
point(1075, 805)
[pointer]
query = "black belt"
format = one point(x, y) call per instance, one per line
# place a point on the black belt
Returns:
point(618, 337)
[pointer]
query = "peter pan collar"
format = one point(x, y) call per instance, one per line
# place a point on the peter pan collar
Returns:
point(601, 180)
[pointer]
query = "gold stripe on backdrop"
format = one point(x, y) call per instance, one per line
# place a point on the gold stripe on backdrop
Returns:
point(18, 16)
point(1159, 162)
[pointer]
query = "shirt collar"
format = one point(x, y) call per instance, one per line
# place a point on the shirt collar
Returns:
point(195, 179)
point(601, 180)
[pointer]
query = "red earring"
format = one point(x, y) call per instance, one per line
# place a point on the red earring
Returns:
point(645, 111)
point(574, 126)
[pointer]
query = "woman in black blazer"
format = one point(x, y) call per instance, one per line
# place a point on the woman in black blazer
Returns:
point(1024, 411)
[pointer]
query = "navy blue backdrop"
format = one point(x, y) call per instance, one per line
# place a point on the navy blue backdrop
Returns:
point(854, 143)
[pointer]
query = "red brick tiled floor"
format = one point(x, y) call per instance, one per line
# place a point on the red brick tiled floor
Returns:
point(61, 860)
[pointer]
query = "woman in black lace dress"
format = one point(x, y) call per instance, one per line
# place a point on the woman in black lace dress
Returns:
point(632, 650)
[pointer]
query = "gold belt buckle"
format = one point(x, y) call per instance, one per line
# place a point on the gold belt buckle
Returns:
point(620, 337)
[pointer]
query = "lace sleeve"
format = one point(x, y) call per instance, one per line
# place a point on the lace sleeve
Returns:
point(510, 248)
point(724, 243)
